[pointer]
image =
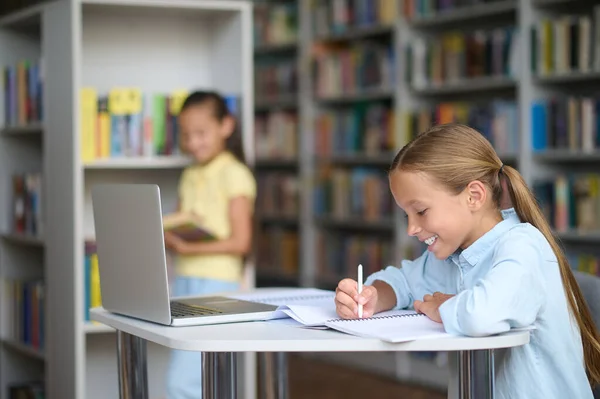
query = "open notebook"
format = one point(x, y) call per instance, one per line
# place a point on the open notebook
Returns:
point(314, 308)
point(309, 300)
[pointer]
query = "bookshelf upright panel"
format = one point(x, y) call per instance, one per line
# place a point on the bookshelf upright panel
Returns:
point(22, 266)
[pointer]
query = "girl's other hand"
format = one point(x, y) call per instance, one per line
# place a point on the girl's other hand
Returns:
point(347, 299)
point(175, 243)
point(430, 305)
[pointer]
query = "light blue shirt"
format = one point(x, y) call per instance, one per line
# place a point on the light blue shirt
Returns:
point(508, 278)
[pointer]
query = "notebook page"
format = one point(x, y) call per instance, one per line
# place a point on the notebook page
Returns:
point(312, 297)
point(391, 327)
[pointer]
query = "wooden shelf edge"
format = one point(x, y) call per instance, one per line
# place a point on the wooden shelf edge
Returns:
point(24, 348)
point(26, 239)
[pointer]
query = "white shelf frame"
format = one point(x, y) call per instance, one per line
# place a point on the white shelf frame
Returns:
point(72, 344)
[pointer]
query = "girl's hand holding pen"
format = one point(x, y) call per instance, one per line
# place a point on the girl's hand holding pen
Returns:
point(347, 299)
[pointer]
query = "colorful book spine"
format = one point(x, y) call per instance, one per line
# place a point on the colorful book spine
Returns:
point(25, 311)
point(357, 193)
point(23, 92)
point(126, 122)
point(567, 123)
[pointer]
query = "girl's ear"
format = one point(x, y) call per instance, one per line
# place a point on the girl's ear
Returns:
point(227, 126)
point(476, 195)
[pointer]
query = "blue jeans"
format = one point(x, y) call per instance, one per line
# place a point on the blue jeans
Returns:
point(184, 375)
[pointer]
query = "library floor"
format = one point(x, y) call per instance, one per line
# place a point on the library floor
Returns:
point(316, 379)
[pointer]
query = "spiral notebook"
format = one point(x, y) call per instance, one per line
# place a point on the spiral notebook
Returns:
point(392, 326)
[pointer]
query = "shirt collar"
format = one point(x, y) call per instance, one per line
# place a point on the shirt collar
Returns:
point(215, 164)
point(475, 251)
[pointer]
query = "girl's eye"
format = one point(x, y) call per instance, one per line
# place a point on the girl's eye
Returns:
point(421, 213)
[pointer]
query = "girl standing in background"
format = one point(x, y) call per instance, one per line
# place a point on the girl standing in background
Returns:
point(220, 189)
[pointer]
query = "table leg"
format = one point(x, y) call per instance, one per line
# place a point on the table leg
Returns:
point(132, 366)
point(219, 375)
point(274, 375)
point(473, 375)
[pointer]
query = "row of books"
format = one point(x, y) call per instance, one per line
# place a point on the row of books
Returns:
point(338, 255)
point(24, 304)
point(412, 9)
point(276, 135)
point(91, 283)
point(570, 201)
point(274, 79)
point(457, 56)
point(362, 67)
point(497, 120)
point(358, 193)
point(278, 251)
point(566, 43)
point(278, 194)
point(566, 122)
point(23, 85)
point(584, 262)
point(362, 128)
point(27, 390)
point(275, 23)
point(27, 205)
point(126, 122)
point(335, 17)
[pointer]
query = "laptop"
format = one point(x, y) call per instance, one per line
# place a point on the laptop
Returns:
point(133, 266)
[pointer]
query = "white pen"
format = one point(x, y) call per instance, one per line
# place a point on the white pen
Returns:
point(360, 287)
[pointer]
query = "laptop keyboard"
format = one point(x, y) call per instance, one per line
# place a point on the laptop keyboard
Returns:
point(179, 309)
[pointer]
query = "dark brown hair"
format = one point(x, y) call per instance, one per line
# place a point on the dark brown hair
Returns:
point(220, 111)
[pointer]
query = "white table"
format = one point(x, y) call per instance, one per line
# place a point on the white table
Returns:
point(220, 344)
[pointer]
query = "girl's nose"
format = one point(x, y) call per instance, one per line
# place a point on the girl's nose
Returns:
point(413, 229)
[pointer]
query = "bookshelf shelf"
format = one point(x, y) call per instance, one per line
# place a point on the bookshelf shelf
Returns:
point(355, 33)
point(279, 48)
point(472, 85)
point(25, 349)
point(553, 3)
point(567, 156)
point(156, 162)
point(288, 101)
point(276, 163)
point(349, 98)
point(23, 239)
point(580, 237)
point(24, 20)
point(569, 77)
point(351, 223)
point(288, 220)
point(25, 130)
point(358, 159)
point(465, 14)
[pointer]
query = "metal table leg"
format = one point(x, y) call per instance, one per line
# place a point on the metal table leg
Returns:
point(219, 375)
point(132, 366)
point(472, 375)
point(274, 375)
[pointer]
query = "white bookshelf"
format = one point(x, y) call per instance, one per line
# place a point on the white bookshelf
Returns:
point(157, 46)
point(21, 254)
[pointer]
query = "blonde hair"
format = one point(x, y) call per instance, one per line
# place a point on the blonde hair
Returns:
point(455, 155)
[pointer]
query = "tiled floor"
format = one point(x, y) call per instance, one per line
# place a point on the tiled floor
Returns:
point(311, 379)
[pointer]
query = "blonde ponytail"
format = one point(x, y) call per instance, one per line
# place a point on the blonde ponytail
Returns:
point(528, 211)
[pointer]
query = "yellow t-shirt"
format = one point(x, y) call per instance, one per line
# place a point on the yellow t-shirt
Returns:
point(206, 191)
